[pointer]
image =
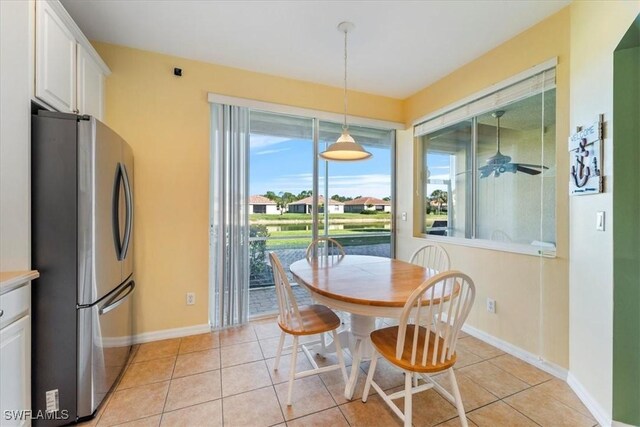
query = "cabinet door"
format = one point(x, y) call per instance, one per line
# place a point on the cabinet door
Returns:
point(15, 365)
point(90, 85)
point(55, 60)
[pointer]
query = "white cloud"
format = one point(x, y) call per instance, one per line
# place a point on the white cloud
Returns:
point(259, 142)
point(276, 150)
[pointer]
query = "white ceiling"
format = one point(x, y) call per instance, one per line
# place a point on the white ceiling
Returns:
point(397, 48)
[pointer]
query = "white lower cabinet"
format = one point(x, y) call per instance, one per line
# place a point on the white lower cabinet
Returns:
point(15, 372)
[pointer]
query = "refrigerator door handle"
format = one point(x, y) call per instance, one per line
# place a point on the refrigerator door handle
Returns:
point(129, 209)
point(115, 204)
point(114, 301)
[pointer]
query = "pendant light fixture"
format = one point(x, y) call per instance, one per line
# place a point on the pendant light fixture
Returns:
point(345, 148)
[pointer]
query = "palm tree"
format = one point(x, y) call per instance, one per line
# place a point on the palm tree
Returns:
point(284, 199)
point(440, 198)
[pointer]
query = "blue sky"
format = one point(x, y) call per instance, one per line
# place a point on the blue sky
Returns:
point(281, 164)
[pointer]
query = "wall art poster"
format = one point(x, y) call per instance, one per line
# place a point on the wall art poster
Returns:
point(585, 148)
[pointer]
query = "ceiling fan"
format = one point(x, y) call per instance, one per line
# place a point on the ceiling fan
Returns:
point(500, 163)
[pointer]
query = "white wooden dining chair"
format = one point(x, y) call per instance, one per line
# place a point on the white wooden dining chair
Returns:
point(297, 321)
point(325, 248)
point(328, 251)
point(425, 350)
point(432, 256)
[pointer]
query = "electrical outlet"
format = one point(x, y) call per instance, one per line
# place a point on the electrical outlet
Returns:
point(191, 298)
point(404, 216)
point(491, 305)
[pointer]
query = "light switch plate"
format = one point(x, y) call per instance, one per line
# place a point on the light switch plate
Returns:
point(404, 216)
point(600, 221)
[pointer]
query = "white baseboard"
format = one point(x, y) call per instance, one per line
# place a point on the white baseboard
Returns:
point(592, 405)
point(533, 359)
point(619, 424)
point(171, 333)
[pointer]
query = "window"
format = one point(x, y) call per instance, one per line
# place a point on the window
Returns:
point(298, 196)
point(484, 181)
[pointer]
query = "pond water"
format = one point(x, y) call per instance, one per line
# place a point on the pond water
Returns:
point(382, 226)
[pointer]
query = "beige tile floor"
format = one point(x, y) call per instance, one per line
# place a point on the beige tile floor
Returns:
point(226, 378)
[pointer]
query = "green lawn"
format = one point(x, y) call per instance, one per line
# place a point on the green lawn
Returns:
point(300, 216)
point(302, 238)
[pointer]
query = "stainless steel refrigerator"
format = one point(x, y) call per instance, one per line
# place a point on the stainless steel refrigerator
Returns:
point(82, 244)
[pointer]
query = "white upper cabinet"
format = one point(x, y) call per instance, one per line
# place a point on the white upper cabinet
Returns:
point(90, 88)
point(55, 60)
point(69, 74)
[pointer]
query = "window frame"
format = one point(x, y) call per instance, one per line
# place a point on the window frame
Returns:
point(419, 170)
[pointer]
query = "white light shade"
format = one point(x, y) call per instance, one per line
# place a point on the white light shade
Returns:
point(345, 149)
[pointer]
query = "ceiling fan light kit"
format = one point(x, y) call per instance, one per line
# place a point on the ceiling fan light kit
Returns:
point(500, 163)
point(345, 148)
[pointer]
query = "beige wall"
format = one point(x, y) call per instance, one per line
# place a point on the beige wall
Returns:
point(596, 30)
point(531, 292)
point(166, 119)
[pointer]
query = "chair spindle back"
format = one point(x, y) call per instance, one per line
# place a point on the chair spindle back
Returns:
point(289, 315)
point(444, 301)
point(432, 256)
point(325, 249)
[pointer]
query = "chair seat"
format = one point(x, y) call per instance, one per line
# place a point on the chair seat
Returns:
point(315, 320)
point(385, 341)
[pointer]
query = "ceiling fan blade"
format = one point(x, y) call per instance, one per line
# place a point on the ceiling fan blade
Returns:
point(532, 166)
point(521, 168)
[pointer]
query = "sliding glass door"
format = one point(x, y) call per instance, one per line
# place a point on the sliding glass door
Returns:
point(353, 205)
point(358, 194)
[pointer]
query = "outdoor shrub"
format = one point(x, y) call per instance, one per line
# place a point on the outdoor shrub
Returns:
point(258, 263)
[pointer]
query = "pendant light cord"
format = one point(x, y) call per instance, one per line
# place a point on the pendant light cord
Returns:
point(344, 125)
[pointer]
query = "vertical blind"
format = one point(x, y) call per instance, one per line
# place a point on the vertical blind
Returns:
point(229, 234)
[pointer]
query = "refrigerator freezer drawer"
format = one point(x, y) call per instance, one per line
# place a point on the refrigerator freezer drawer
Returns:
point(104, 338)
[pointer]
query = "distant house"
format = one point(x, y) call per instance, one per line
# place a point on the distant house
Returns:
point(305, 205)
point(262, 205)
point(367, 204)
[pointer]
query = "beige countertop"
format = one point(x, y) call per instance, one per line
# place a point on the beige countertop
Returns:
point(10, 280)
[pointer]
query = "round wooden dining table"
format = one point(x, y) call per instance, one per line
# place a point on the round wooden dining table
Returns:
point(367, 287)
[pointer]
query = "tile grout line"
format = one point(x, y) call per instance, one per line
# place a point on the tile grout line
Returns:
point(552, 397)
point(166, 397)
point(221, 389)
point(284, 419)
point(343, 415)
point(520, 412)
point(115, 388)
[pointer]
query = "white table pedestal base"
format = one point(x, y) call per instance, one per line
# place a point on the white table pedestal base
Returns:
point(357, 340)
point(360, 348)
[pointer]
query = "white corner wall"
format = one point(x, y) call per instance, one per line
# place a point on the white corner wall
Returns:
point(596, 29)
point(15, 125)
